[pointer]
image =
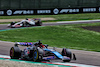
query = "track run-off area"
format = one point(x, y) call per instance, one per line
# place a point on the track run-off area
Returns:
point(84, 58)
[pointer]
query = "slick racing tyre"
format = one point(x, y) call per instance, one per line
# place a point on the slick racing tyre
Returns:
point(12, 23)
point(38, 23)
point(66, 52)
point(15, 53)
point(37, 54)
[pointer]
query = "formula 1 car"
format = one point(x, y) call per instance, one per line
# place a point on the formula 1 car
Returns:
point(26, 23)
point(39, 52)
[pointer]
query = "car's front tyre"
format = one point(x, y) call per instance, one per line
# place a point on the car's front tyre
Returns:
point(67, 53)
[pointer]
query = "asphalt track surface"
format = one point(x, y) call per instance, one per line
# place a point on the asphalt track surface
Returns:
point(83, 57)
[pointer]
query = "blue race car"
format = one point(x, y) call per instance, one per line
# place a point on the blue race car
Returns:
point(39, 52)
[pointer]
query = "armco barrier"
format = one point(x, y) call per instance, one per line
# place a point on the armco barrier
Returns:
point(9, 12)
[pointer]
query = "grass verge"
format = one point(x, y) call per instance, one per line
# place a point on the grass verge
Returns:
point(69, 36)
point(60, 17)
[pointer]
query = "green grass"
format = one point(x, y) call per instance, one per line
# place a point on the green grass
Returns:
point(69, 36)
point(60, 17)
point(5, 22)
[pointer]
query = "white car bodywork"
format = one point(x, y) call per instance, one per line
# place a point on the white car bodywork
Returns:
point(24, 23)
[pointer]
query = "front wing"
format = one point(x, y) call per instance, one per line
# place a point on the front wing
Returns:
point(57, 55)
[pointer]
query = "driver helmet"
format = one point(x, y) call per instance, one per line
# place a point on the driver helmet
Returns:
point(40, 43)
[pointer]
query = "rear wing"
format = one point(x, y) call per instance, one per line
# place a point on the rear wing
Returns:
point(23, 43)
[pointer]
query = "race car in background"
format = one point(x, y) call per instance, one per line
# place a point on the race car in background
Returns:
point(26, 23)
point(39, 52)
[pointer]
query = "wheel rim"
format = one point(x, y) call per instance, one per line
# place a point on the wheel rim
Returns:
point(12, 52)
point(35, 55)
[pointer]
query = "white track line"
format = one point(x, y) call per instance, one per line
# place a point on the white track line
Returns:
point(4, 56)
point(79, 21)
point(74, 64)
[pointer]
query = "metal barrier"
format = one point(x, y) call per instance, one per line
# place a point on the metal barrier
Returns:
point(31, 7)
point(45, 4)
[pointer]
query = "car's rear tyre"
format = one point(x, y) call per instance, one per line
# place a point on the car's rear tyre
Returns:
point(15, 53)
point(39, 23)
point(66, 52)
